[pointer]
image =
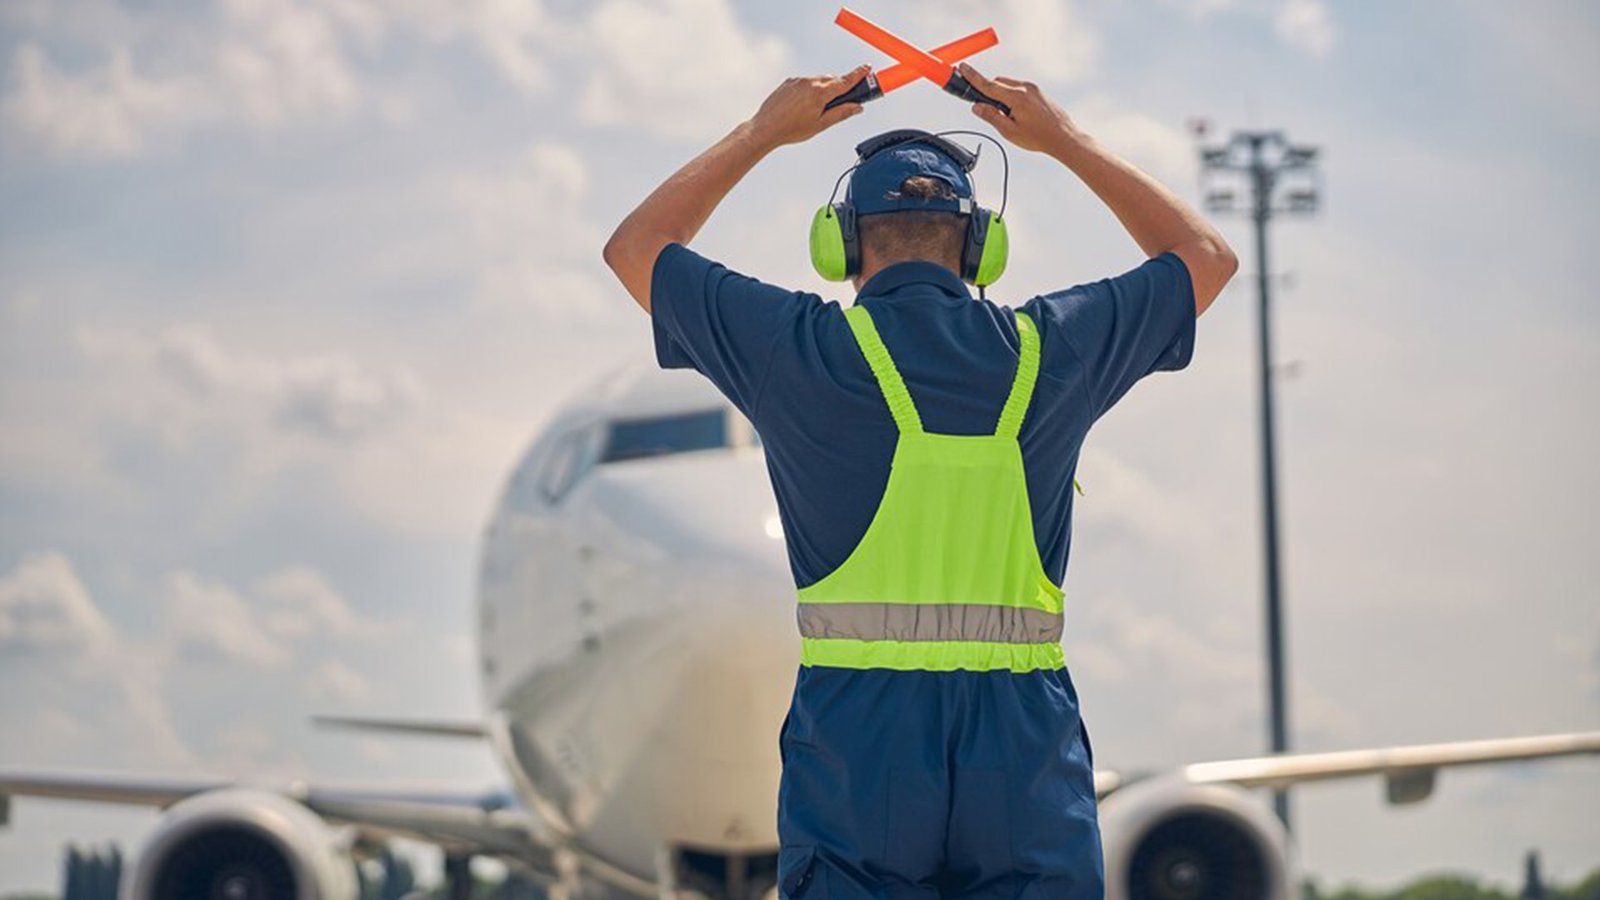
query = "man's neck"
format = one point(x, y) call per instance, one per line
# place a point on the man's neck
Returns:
point(871, 267)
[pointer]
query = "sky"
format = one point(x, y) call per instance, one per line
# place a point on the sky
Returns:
point(286, 287)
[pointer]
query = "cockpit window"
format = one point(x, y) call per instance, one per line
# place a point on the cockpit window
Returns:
point(569, 457)
point(663, 435)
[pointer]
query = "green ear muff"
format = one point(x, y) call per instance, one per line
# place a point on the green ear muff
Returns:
point(996, 250)
point(827, 244)
point(836, 243)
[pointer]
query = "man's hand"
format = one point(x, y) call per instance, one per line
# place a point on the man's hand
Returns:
point(674, 212)
point(1035, 123)
point(794, 112)
point(1157, 219)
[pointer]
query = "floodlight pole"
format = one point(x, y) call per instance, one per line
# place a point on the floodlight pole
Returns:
point(1261, 157)
point(1261, 180)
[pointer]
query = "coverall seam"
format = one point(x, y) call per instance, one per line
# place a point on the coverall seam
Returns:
point(1088, 384)
point(766, 376)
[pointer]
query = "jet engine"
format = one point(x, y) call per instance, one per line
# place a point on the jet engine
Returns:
point(240, 844)
point(1168, 839)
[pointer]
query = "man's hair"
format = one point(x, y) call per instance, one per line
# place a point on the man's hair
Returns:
point(932, 235)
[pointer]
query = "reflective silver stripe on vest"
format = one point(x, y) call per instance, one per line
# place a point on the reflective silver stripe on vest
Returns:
point(929, 622)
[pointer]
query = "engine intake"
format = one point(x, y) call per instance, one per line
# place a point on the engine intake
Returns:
point(1170, 840)
point(238, 844)
point(226, 863)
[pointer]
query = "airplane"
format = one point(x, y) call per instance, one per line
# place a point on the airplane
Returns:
point(637, 650)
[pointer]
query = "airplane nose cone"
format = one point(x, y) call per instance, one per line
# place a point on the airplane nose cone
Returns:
point(687, 633)
point(709, 514)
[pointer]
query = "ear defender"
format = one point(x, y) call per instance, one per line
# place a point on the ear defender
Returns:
point(996, 251)
point(835, 248)
point(987, 247)
point(836, 241)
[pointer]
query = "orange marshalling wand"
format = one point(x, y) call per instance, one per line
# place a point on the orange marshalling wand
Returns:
point(901, 74)
point(914, 61)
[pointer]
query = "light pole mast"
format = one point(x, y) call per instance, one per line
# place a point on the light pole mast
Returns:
point(1263, 159)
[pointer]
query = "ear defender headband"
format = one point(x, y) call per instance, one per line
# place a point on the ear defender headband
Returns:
point(835, 231)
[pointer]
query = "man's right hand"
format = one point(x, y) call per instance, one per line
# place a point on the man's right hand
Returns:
point(674, 212)
point(796, 112)
point(1035, 123)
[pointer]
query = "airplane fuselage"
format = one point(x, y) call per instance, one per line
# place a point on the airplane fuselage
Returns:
point(637, 636)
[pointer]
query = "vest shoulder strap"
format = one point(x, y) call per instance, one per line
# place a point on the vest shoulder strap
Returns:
point(883, 369)
point(1021, 395)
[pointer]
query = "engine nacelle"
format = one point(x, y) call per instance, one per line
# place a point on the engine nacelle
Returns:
point(241, 844)
point(1167, 839)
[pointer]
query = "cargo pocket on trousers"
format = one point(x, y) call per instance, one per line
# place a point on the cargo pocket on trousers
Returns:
point(796, 871)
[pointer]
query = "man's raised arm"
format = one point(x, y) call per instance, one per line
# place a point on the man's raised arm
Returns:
point(1157, 219)
point(674, 212)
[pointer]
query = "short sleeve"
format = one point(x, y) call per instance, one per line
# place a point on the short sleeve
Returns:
point(722, 324)
point(1122, 329)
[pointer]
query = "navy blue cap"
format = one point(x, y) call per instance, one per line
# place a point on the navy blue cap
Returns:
point(875, 184)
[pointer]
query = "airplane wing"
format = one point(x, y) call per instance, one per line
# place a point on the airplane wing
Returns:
point(487, 822)
point(503, 832)
point(415, 728)
point(1409, 771)
point(156, 792)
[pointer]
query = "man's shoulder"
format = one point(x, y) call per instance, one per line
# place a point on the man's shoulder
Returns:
point(1162, 266)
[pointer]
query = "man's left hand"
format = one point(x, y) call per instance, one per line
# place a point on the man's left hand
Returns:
point(674, 212)
point(794, 112)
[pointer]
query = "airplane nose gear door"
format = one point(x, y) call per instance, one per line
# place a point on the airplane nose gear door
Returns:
point(688, 873)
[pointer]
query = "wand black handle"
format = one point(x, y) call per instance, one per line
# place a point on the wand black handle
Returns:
point(860, 92)
point(963, 88)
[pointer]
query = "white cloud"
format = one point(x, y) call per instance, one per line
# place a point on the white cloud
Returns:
point(536, 245)
point(212, 621)
point(1200, 684)
point(511, 33)
point(507, 29)
point(43, 606)
point(532, 203)
point(678, 68)
point(1049, 41)
point(1593, 676)
point(1306, 25)
point(514, 35)
point(284, 60)
point(299, 602)
point(682, 68)
point(274, 622)
point(329, 396)
point(78, 693)
point(153, 419)
point(1163, 148)
point(106, 111)
point(74, 693)
point(236, 665)
point(1199, 9)
point(247, 746)
point(265, 63)
point(337, 682)
point(332, 396)
point(1171, 534)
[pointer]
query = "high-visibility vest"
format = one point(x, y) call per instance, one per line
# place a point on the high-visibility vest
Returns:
point(947, 575)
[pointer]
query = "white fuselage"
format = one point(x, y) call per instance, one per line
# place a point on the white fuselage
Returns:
point(637, 629)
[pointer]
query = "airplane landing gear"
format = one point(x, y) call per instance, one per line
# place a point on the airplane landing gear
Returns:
point(686, 873)
point(458, 876)
point(568, 885)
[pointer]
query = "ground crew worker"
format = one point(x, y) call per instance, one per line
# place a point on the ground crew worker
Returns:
point(922, 446)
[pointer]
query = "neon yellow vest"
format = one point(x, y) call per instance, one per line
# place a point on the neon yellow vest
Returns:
point(947, 575)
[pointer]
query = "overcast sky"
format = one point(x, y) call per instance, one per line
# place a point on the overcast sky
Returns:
point(287, 286)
